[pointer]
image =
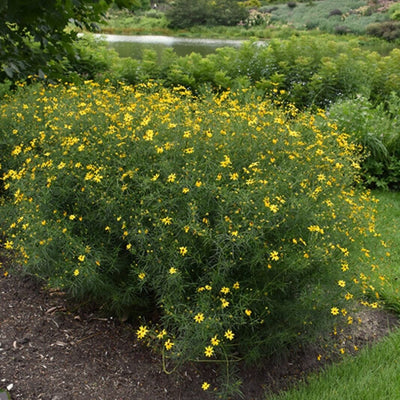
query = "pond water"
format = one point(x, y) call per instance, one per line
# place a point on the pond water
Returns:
point(133, 46)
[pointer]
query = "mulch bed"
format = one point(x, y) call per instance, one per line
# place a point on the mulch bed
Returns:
point(52, 349)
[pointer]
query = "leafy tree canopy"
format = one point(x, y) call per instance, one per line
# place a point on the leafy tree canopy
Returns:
point(34, 35)
point(186, 13)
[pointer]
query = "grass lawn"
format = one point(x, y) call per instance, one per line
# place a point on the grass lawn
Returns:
point(372, 375)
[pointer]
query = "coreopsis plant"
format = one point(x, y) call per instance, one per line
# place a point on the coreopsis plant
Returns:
point(236, 224)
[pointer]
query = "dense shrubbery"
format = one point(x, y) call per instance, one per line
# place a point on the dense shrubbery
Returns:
point(376, 129)
point(237, 222)
point(389, 30)
point(308, 70)
point(187, 13)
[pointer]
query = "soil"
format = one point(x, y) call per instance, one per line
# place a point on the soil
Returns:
point(51, 349)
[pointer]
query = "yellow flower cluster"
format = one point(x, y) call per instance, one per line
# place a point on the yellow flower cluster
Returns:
point(220, 210)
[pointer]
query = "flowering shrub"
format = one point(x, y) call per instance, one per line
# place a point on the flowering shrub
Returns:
point(238, 223)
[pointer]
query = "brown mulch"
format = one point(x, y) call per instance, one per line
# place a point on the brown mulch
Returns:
point(52, 351)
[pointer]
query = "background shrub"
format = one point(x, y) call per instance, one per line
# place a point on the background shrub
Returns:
point(394, 12)
point(184, 13)
point(376, 129)
point(389, 30)
point(342, 30)
point(336, 11)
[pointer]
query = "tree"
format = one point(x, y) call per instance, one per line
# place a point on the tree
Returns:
point(186, 13)
point(34, 35)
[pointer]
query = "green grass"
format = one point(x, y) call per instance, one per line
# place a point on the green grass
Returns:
point(374, 373)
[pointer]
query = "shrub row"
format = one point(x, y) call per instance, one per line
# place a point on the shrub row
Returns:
point(376, 129)
point(304, 70)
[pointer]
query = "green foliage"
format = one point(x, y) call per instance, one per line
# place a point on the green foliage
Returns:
point(324, 16)
point(234, 224)
point(186, 13)
point(304, 70)
point(33, 35)
point(376, 129)
point(394, 12)
point(388, 30)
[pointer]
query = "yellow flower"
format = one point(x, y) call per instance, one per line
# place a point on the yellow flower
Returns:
point(225, 290)
point(141, 275)
point(76, 272)
point(209, 351)
point(148, 136)
point(274, 208)
point(8, 244)
point(168, 344)
point(316, 228)
point(182, 250)
point(172, 270)
point(205, 386)
point(229, 334)
point(236, 285)
point(348, 296)
point(171, 178)
point(224, 303)
point(334, 311)
point(141, 332)
point(161, 334)
point(81, 258)
point(199, 318)
point(274, 255)
point(198, 183)
point(185, 190)
point(215, 341)
point(342, 283)
point(227, 161)
point(248, 312)
point(166, 220)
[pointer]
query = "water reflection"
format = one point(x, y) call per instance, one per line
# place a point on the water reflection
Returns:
point(133, 46)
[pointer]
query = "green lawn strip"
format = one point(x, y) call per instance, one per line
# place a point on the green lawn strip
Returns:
point(372, 375)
